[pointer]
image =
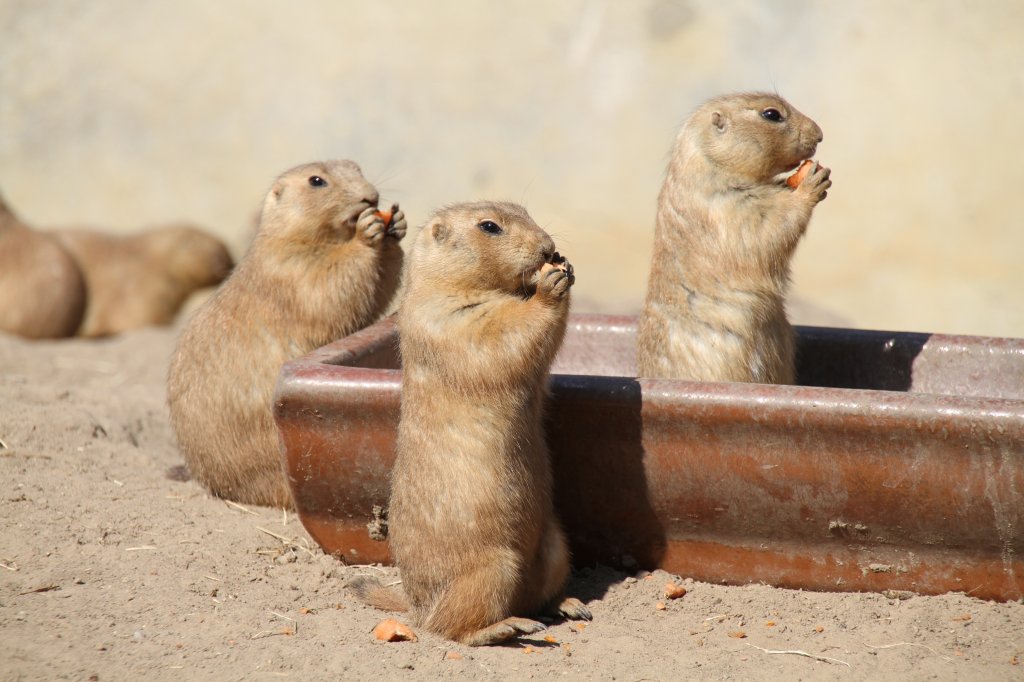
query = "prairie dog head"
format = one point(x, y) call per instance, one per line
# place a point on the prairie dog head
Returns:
point(751, 137)
point(481, 246)
point(316, 204)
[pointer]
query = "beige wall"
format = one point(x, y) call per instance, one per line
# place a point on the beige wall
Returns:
point(122, 114)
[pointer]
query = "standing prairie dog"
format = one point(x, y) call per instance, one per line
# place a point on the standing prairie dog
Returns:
point(323, 264)
point(471, 522)
point(143, 279)
point(726, 229)
point(42, 290)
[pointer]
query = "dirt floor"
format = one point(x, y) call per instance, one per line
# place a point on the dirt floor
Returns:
point(114, 566)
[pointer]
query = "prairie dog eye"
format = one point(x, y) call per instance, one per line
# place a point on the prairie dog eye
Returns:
point(317, 181)
point(490, 227)
point(774, 115)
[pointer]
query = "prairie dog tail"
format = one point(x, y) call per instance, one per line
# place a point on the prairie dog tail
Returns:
point(373, 593)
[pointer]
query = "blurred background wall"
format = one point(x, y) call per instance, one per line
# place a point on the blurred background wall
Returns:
point(121, 115)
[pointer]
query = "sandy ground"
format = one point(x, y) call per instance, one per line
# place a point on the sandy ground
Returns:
point(114, 566)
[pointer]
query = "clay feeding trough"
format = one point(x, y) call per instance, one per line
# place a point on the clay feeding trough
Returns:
point(896, 464)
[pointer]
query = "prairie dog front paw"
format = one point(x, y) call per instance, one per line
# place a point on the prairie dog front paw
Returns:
point(556, 278)
point(371, 227)
point(395, 221)
point(816, 182)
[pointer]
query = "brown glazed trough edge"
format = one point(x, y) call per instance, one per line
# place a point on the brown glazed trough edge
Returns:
point(834, 485)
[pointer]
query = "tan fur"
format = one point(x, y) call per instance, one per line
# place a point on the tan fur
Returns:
point(726, 230)
point(371, 591)
point(42, 291)
point(143, 279)
point(322, 266)
point(472, 526)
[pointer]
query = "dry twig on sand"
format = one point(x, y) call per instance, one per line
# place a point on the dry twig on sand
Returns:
point(288, 631)
point(797, 652)
point(241, 508)
point(269, 633)
point(44, 588)
point(923, 646)
point(288, 542)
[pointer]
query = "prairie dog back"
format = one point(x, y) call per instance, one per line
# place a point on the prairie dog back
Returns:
point(143, 279)
point(42, 290)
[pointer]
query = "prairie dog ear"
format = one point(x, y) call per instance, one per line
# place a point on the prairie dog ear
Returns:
point(720, 122)
point(438, 231)
point(274, 195)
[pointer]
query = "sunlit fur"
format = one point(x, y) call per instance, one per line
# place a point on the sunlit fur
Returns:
point(726, 229)
point(315, 272)
point(42, 290)
point(143, 279)
point(472, 525)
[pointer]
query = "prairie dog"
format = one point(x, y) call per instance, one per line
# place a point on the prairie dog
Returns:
point(42, 290)
point(726, 229)
point(471, 522)
point(323, 264)
point(143, 279)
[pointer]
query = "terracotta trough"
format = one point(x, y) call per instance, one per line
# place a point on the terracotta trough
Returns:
point(897, 464)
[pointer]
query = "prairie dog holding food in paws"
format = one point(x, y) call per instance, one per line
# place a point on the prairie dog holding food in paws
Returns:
point(471, 522)
point(726, 230)
point(324, 263)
